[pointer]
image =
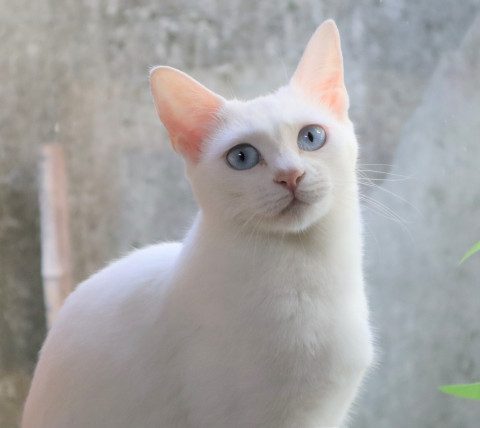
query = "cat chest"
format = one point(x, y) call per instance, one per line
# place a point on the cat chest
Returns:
point(324, 337)
point(306, 358)
point(291, 335)
point(292, 313)
point(287, 357)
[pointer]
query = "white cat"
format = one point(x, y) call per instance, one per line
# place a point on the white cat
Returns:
point(259, 318)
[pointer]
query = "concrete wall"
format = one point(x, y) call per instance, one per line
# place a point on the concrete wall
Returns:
point(426, 307)
point(76, 72)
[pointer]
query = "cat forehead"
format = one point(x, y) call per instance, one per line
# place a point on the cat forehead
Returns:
point(270, 117)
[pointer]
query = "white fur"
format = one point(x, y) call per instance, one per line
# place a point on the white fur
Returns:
point(257, 320)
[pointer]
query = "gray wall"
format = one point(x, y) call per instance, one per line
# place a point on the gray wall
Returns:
point(427, 307)
point(76, 72)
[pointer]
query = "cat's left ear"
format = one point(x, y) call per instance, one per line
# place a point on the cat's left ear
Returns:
point(187, 109)
point(320, 72)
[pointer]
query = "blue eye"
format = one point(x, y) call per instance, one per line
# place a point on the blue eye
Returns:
point(311, 137)
point(243, 156)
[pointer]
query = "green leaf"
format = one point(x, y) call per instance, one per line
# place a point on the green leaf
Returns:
point(471, 390)
point(471, 251)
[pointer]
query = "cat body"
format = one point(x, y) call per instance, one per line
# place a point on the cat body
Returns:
point(259, 318)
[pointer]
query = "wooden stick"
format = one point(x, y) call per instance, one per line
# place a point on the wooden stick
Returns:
point(56, 265)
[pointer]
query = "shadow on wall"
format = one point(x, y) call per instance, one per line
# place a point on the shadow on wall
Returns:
point(425, 306)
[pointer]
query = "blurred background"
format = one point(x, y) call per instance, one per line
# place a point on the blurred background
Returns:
point(75, 72)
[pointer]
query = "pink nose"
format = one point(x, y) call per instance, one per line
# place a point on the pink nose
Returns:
point(289, 178)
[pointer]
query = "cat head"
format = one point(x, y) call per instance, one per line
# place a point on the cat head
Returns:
point(279, 162)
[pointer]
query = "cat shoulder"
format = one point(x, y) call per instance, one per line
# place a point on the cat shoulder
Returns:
point(123, 287)
point(99, 330)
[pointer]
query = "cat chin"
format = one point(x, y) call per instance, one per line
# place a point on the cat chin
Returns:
point(297, 217)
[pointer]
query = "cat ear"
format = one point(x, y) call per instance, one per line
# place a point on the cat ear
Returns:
point(187, 109)
point(320, 72)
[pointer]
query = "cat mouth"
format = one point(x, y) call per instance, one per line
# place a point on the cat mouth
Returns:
point(293, 207)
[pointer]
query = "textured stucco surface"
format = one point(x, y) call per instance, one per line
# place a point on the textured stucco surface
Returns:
point(76, 72)
point(427, 306)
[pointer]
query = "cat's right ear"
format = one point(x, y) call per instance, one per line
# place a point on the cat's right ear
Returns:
point(320, 72)
point(187, 109)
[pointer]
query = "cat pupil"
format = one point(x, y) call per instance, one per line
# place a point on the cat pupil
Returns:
point(310, 137)
point(243, 156)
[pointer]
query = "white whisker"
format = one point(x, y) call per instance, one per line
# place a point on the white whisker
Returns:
point(389, 192)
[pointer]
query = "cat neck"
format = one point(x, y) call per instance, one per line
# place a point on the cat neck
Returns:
point(334, 239)
point(324, 260)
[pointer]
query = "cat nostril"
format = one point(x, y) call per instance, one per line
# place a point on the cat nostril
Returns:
point(300, 178)
point(290, 179)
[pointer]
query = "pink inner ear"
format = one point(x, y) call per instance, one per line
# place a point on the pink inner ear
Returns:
point(320, 72)
point(188, 130)
point(330, 90)
point(333, 95)
point(187, 109)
